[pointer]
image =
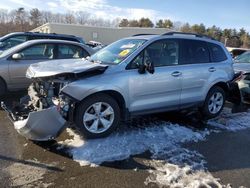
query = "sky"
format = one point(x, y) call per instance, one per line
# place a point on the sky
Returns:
point(222, 13)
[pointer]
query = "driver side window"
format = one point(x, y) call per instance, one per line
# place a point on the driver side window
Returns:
point(160, 53)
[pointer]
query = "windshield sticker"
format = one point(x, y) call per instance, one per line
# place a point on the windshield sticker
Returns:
point(124, 52)
point(128, 46)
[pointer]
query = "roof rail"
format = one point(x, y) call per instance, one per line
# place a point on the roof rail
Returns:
point(192, 34)
point(142, 34)
point(68, 35)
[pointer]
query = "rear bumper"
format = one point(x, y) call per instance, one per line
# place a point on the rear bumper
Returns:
point(41, 125)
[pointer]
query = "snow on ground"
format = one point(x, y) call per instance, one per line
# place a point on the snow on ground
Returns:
point(172, 165)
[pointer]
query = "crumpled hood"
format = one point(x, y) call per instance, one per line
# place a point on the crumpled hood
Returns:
point(64, 66)
point(245, 67)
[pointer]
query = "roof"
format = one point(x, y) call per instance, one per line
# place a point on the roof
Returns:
point(31, 42)
point(178, 35)
point(39, 34)
point(50, 41)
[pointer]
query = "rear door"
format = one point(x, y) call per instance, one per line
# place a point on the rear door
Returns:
point(196, 69)
point(29, 55)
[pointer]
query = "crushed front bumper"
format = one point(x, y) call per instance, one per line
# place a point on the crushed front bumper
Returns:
point(238, 93)
point(41, 125)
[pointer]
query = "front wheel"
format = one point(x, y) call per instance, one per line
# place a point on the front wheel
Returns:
point(97, 116)
point(214, 103)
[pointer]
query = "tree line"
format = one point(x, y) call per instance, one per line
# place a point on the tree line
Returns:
point(23, 20)
point(230, 37)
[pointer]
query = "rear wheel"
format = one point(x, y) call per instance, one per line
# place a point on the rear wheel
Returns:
point(214, 103)
point(97, 116)
point(3, 88)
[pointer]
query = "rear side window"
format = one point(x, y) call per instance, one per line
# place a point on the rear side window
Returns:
point(39, 51)
point(67, 51)
point(217, 53)
point(194, 52)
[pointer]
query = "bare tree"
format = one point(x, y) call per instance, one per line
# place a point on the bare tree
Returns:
point(46, 17)
point(35, 17)
point(82, 17)
point(70, 18)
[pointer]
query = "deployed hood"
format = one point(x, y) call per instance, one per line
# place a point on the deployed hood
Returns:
point(60, 67)
point(245, 67)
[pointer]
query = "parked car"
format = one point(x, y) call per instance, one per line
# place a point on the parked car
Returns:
point(15, 61)
point(243, 58)
point(237, 51)
point(242, 64)
point(136, 75)
point(13, 39)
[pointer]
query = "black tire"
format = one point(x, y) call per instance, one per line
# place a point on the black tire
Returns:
point(205, 108)
point(86, 104)
point(3, 88)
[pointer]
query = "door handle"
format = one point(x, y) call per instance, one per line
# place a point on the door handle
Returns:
point(212, 69)
point(176, 74)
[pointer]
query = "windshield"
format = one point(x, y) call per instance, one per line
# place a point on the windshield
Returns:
point(11, 50)
point(117, 51)
point(243, 58)
point(5, 52)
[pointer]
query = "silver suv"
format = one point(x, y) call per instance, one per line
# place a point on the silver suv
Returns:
point(136, 75)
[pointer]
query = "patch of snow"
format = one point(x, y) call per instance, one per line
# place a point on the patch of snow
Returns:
point(172, 175)
point(172, 164)
point(119, 146)
point(231, 122)
point(20, 124)
point(76, 141)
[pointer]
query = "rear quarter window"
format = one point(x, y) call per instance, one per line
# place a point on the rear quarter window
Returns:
point(217, 53)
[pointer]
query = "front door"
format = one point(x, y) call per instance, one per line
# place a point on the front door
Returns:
point(161, 90)
point(28, 56)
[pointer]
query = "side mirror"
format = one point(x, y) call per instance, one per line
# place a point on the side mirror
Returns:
point(150, 66)
point(16, 56)
point(141, 68)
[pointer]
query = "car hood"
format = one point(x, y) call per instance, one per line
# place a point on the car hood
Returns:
point(245, 67)
point(62, 67)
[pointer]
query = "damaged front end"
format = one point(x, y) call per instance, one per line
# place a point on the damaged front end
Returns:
point(42, 114)
point(239, 92)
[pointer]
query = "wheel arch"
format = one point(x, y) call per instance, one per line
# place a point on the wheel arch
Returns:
point(118, 98)
point(222, 85)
